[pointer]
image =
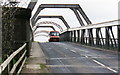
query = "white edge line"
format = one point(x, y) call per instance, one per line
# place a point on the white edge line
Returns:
point(105, 66)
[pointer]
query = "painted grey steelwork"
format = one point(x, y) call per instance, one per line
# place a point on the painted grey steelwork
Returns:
point(98, 35)
point(75, 7)
point(32, 4)
point(119, 38)
point(45, 27)
point(49, 22)
point(60, 17)
point(78, 17)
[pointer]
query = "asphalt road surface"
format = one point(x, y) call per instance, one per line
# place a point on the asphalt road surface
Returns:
point(64, 57)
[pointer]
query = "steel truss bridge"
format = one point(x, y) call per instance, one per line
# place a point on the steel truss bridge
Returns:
point(105, 35)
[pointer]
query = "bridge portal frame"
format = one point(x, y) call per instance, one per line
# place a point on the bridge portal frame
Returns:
point(52, 16)
point(50, 22)
point(76, 8)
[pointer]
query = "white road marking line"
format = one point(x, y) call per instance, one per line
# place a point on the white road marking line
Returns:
point(105, 66)
point(86, 56)
point(73, 51)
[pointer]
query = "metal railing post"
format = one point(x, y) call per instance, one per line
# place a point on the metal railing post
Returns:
point(118, 38)
point(74, 35)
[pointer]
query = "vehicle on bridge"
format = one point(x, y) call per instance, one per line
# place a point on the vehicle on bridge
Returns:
point(54, 36)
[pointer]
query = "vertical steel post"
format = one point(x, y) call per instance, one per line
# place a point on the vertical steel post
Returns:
point(82, 36)
point(107, 37)
point(68, 34)
point(74, 35)
point(78, 32)
point(114, 44)
point(97, 37)
point(119, 38)
point(91, 41)
point(71, 34)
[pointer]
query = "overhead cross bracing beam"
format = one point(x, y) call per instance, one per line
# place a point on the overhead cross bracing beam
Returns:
point(60, 17)
point(46, 27)
point(76, 7)
point(49, 22)
point(41, 35)
point(59, 5)
point(42, 31)
point(32, 4)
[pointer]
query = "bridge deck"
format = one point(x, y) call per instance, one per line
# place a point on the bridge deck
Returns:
point(64, 57)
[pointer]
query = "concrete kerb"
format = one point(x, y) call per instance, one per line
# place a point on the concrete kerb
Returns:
point(33, 63)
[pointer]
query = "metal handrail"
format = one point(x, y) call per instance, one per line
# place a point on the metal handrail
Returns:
point(10, 58)
point(97, 25)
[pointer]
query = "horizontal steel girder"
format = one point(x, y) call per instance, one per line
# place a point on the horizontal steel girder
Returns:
point(47, 27)
point(60, 17)
point(59, 5)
